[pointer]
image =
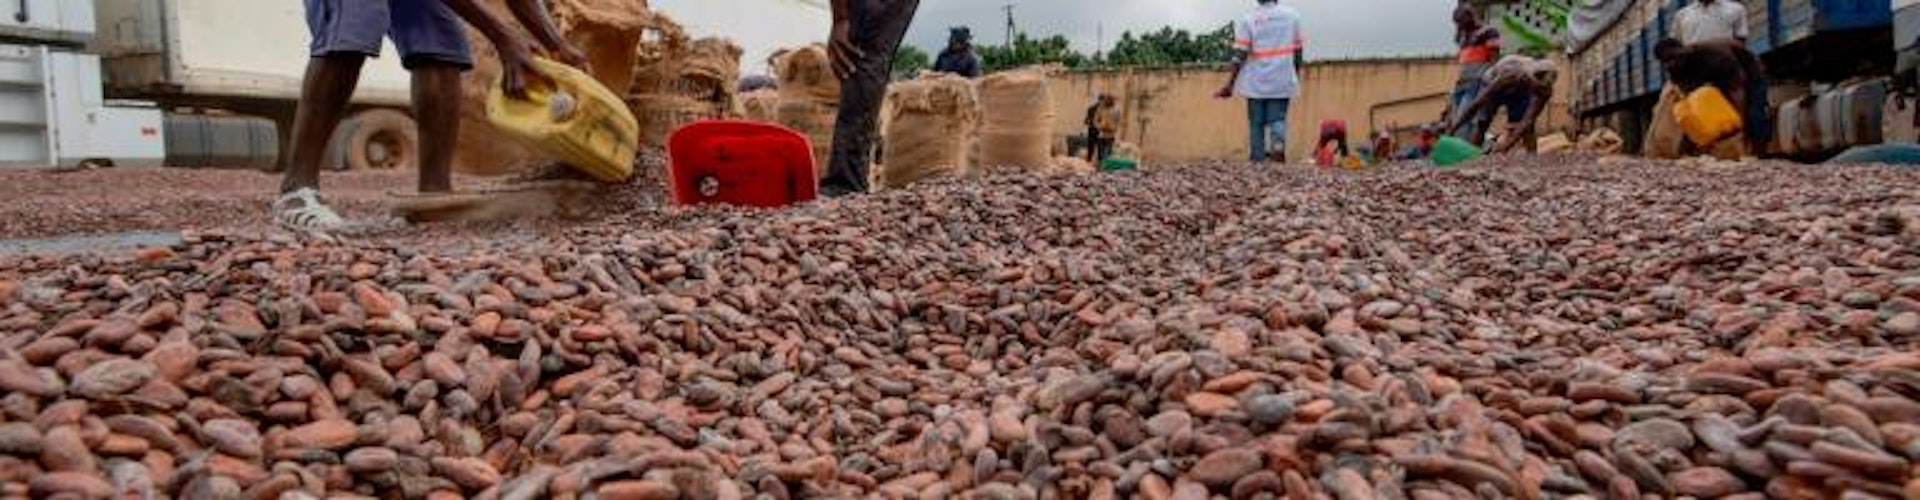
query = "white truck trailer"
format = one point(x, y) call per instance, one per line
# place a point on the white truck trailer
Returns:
point(229, 73)
point(52, 110)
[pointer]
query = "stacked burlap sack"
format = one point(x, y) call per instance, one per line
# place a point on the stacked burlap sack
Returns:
point(929, 130)
point(1016, 133)
point(809, 98)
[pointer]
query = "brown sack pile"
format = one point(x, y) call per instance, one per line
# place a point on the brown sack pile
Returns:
point(1017, 134)
point(809, 98)
point(759, 105)
point(929, 130)
point(679, 80)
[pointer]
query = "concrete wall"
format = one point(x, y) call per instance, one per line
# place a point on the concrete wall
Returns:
point(1172, 114)
point(1405, 89)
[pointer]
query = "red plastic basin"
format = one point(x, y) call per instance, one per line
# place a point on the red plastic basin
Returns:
point(747, 164)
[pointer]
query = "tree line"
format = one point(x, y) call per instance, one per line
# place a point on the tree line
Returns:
point(1166, 47)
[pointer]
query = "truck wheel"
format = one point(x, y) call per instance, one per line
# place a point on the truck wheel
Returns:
point(378, 139)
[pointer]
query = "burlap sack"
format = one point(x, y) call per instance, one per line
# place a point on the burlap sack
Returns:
point(809, 98)
point(1664, 136)
point(1603, 141)
point(806, 74)
point(759, 106)
point(1017, 128)
point(814, 119)
point(661, 114)
point(928, 134)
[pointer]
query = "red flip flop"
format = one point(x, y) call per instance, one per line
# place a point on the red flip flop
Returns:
point(749, 164)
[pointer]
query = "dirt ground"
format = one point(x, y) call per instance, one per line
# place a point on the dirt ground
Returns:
point(44, 204)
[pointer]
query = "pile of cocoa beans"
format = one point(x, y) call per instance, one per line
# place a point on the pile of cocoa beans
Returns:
point(1525, 328)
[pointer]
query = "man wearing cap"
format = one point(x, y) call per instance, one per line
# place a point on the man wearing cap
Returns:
point(1267, 51)
point(959, 57)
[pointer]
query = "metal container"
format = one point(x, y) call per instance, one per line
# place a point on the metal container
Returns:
point(59, 22)
point(52, 113)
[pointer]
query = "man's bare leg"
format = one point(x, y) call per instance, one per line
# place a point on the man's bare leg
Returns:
point(330, 82)
point(436, 107)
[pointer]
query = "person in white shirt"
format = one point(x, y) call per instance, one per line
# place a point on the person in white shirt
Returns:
point(1268, 50)
point(1707, 20)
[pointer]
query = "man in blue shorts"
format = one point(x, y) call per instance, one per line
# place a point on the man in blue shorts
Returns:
point(433, 46)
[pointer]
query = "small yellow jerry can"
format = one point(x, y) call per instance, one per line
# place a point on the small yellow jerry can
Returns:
point(1707, 116)
point(575, 119)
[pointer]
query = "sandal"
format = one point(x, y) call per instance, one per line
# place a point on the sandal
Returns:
point(302, 211)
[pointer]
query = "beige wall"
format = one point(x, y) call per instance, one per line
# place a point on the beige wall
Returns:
point(1173, 116)
point(1350, 90)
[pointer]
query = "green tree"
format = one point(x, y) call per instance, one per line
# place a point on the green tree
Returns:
point(1028, 51)
point(1172, 47)
point(909, 61)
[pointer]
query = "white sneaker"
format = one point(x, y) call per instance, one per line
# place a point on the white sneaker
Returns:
point(302, 211)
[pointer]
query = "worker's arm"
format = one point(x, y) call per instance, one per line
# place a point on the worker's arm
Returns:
point(1242, 51)
point(533, 15)
point(840, 48)
point(1233, 75)
point(1473, 110)
point(516, 54)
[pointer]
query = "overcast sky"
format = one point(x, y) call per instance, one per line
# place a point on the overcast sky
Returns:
point(1335, 28)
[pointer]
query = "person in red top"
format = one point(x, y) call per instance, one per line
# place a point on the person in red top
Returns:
point(1479, 48)
point(1333, 143)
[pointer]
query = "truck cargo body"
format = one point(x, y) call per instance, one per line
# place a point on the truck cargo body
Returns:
point(55, 22)
point(1818, 47)
point(233, 49)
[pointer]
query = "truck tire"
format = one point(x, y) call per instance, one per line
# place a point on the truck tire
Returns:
point(219, 141)
point(377, 139)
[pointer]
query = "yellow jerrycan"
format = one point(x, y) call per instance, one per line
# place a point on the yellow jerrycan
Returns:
point(1707, 116)
point(575, 119)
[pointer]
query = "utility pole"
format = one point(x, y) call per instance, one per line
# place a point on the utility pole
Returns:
point(1010, 26)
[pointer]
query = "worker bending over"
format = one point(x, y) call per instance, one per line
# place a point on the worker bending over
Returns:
point(865, 35)
point(1522, 86)
point(433, 46)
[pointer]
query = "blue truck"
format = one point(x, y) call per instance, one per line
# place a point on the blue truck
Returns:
point(1830, 63)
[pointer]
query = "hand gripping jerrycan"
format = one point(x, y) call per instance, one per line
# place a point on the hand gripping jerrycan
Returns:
point(1707, 116)
point(575, 119)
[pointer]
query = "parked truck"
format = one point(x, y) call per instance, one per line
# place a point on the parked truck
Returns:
point(229, 74)
point(1828, 63)
point(52, 110)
